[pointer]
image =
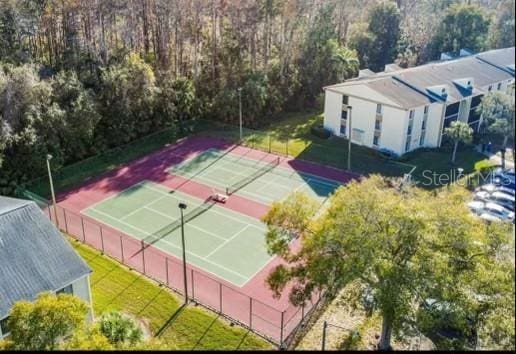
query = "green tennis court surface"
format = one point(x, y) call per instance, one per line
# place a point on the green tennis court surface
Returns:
point(219, 241)
point(221, 170)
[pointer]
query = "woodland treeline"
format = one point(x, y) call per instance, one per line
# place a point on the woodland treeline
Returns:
point(80, 76)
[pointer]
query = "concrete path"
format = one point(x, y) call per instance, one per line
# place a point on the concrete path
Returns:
point(497, 158)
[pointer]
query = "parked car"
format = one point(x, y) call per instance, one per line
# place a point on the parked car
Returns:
point(490, 218)
point(491, 187)
point(503, 199)
point(498, 211)
point(476, 206)
point(500, 181)
point(482, 196)
point(505, 174)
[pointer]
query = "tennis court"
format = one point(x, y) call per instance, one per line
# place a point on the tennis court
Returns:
point(220, 241)
point(264, 181)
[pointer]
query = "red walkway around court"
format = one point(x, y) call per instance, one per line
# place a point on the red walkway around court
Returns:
point(253, 304)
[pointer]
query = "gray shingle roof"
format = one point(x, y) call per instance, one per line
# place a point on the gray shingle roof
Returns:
point(485, 69)
point(34, 256)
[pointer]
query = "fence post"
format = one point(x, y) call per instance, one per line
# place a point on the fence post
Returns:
point(193, 285)
point(251, 312)
point(66, 222)
point(166, 269)
point(122, 249)
point(220, 297)
point(303, 312)
point(83, 233)
point(143, 256)
point(101, 238)
point(287, 146)
point(281, 328)
point(325, 326)
point(270, 143)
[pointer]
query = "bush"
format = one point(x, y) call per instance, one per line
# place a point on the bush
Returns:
point(119, 329)
point(320, 132)
point(484, 166)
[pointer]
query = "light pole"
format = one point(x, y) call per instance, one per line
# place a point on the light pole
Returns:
point(240, 110)
point(49, 157)
point(349, 138)
point(182, 206)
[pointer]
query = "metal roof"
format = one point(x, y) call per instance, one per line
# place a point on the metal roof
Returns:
point(412, 87)
point(34, 256)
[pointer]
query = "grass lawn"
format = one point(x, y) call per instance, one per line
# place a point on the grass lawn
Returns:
point(114, 287)
point(291, 135)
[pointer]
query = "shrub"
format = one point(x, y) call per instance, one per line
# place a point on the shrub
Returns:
point(120, 329)
point(320, 132)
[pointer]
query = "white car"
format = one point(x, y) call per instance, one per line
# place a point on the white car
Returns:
point(490, 218)
point(482, 196)
point(503, 199)
point(494, 188)
point(505, 174)
point(498, 211)
point(476, 206)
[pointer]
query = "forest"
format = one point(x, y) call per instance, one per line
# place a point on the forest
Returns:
point(78, 77)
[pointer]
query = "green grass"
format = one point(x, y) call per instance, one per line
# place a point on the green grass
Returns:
point(114, 287)
point(291, 135)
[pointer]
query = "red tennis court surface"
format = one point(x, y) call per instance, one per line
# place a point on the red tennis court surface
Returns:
point(252, 305)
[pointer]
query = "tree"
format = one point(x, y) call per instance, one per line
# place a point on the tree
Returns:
point(458, 132)
point(43, 324)
point(464, 26)
point(501, 34)
point(497, 111)
point(120, 330)
point(410, 247)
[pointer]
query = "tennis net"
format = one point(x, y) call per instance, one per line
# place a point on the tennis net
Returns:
point(176, 224)
point(245, 181)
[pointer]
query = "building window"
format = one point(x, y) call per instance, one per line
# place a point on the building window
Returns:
point(376, 140)
point(423, 124)
point(499, 86)
point(426, 110)
point(422, 139)
point(344, 115)
point(4, 327)
point(407, 144)
point(66, 290)
point(345, 100)
point(343, 128)
point(378, 109)
point(378, 124)
point(411, 114)
point(490, 88)
point(410, 125)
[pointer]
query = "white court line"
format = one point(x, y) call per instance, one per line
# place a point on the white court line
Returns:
point(113, 196)
point(176, 247)
point(142, 207)
point(215, 211)
point(227, 241)
point(189, 225)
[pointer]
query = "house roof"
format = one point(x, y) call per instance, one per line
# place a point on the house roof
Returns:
point(413, 87)
point(34, 256)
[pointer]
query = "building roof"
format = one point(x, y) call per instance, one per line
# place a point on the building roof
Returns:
point(414, 87)
point(34, 256)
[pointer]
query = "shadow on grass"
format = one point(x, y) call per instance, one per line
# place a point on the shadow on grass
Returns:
point(205, 332)
point(172, 318)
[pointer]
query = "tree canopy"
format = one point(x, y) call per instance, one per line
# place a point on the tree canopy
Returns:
point(396, 254)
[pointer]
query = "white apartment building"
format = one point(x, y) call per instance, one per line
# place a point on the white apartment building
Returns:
point(405, 109)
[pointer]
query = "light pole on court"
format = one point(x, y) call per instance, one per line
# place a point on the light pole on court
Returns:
point(49, 157)
point(240, 110)
point(182, 207)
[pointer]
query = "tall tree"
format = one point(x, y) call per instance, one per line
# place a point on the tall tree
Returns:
point(410, 247)
point(43, 324)
point(458, 132)
point(464, 26)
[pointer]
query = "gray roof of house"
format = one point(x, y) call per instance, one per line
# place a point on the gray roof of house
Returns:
point(408, 88)
point(34, 255)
